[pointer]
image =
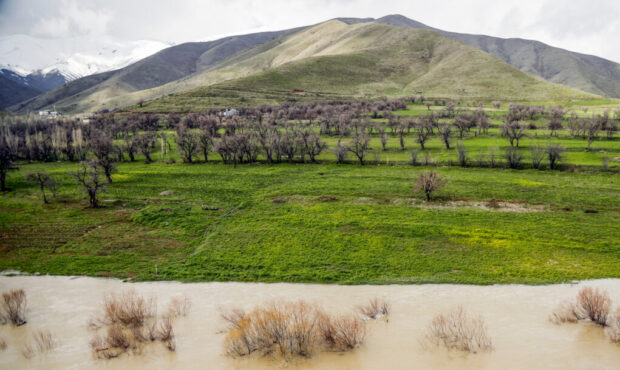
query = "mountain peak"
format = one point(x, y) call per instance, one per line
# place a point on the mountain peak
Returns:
point(400, 20)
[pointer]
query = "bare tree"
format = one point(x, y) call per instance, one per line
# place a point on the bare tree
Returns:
point(554, 153)
point(187, 143)
point(513, 157)
point(445, 131)
point(423, 130)
point(7, 156)
point(463, 123)
point(515, 131)
point(428, 182)
point(145, 143)
point(461, 152)
point(87, 175)
point(383, 136)
point(482, 121)
point(555, 120)
point(44, 181)
point(102, 147)
point(538, 154)
point(593, 126)
point(359, 145)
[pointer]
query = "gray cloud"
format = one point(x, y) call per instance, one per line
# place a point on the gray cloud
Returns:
point(588, 26)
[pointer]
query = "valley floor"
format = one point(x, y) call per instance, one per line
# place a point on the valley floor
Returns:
point(326, 223)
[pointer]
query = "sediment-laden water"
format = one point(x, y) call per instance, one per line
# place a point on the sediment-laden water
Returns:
point(516, 316)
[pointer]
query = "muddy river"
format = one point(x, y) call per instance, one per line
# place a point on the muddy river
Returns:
point(516, 317)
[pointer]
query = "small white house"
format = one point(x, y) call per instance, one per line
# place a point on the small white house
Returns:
point(49, 114)
point(229, 112)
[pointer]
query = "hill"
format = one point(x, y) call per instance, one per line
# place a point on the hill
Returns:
point(346, 57)
point(584, 72)
point(12, 92)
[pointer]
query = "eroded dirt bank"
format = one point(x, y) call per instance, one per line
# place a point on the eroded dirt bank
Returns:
point(516, 316)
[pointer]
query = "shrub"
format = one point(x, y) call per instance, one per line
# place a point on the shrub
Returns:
point(458, 330)
point(554, 153)
point(428, 182)
point(342, 334)
point(461, 152)
point(128, 309)
point(565, 312)
point(3, 344)
point(613, 330)
point(414, 157)
point(117, 341)
point(43, 342)
point(289, 329)
point(131, 321)
point(13, 307)
point(179, 306)
point(594, 305)
point(375, 309)
point(538, 154)
point(513, 157)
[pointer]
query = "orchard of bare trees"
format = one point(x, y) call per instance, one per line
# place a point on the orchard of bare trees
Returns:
point(356, 131)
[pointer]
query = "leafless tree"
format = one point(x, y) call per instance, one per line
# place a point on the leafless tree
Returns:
point(423, 129)
point(515, 131)
point(359, 145)
point(145, 143)
point(482, 121)
point(556, 116)
point(537, 154)
point(341, 152)
point(102, 147)
point(44, 181)
point(445, 131)
point(554, 153)
point(461, 152)
point(593, 126)
point(7, 157)
point(87, 175)
point(428, 182)
point(463, 122)
point(513, 157)
point(187, 142)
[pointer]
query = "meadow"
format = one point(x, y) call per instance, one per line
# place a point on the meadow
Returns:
point(329, 223)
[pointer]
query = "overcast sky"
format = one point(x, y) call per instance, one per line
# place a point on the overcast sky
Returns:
point(587, 26)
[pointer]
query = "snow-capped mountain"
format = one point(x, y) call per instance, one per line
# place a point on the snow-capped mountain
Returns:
point(26, 55)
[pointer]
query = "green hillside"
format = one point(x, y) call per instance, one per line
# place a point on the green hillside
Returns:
point(365, 60)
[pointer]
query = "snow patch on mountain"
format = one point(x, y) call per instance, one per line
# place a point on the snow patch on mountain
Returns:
point(26, 54)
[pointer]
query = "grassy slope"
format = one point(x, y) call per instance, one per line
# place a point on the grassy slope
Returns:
point(371, 233)
point(333, 58)
point(365, 60)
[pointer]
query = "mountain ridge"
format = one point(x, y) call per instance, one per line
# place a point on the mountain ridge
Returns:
point(190, 65)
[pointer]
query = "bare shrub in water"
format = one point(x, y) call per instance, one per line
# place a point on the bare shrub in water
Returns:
point(613, 329)
point(165, 333)
point(565, 312)
point(179, 306)
point(459, 330)
point(43, 342)
point(128, 309)
point(342, 333)
point(233, 316)
point(131, 321)
point(117, 341)
point(595, 305)
point(3, 344)
point(289, 329)
point(375, 309)
point(13, 307)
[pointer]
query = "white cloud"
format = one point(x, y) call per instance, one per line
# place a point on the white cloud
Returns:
point(587, 26)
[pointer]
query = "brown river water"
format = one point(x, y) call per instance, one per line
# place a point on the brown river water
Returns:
point(516, 317)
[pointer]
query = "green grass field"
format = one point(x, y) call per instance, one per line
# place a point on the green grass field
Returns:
point(317, 223)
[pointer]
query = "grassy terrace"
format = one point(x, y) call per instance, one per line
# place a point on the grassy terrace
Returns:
point(317, 223)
